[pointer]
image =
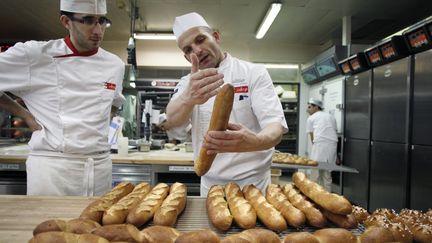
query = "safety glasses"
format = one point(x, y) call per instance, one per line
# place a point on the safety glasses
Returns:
point(92, 20)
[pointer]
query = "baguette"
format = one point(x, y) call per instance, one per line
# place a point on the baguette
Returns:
point(172, 206)
point(95, 210)
point(77, 226)
point(65, 237)
point(198, 236)
point(313, 216)
point(219, 122)
point(342, 221)
point(330, 201)
point(242, 211)
point(293, 216)
point(159, 234)
point(120, 232)
point(217, 208)
point(253, 236)
point(267, 214)
point(329, 235)
point(118, 212)
point(145, 209)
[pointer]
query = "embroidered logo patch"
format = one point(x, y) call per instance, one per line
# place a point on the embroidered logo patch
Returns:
point(241, 89)
point(110, 86)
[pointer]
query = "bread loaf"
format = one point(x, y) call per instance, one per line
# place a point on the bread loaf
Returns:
point(217, 208)
point(198, 236)
point(219, 122)
point(120, 232)
point(343, 221)
point(145, 209)
point(242, 211)
point(267, 214)
point(376, 234)
point(422, 233)
point(330, 201)
point(159, 234)
point(293, 216)
point(172, 206)
point(65, 237)
point(95, 210)
point(314, 217)
point(118, 212)
point(360, 214)
point(77, 226)
point(300, 237)
point(253, 236)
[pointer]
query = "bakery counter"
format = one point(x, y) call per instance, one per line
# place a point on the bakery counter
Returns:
point(20, 215)
point(18, 154)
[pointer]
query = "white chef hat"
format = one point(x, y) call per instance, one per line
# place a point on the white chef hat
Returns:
point(185, 22)
point(316, 102)
point(97, 7)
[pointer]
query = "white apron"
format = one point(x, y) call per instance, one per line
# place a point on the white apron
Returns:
point(52, 175)
point(323, 152)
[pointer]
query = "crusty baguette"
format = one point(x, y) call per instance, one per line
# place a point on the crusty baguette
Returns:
point(118, 212)
point(217, 208)
point(219, 122)
point(94, 211)
point(253, 236)
point(77, 226)
point(159, 234)
point(343, 221)
point(314, 217)
point(274, 195)
point(65, 237)
point(144, 210)
point(172, 206)
point(329, 235)
point(120, 232)
point(243, 212)
point(330, 201)
point(300, 237)
point(198, 236)
point(266, 213)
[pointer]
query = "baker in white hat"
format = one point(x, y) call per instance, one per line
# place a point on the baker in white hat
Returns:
point(257, 122)
point(69, 86)
point(321, 127)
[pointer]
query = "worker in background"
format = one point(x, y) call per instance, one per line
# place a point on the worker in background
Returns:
point(257, 120)
point(321, 127)
point(70, 86)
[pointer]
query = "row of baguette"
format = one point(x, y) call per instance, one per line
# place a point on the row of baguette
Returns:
point(272, 210)
point(281, 206)
point(287, 158)
point(163, 234)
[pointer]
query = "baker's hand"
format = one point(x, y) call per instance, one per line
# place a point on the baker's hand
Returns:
point(202, 85)
point(236, 139)
point(32, 124)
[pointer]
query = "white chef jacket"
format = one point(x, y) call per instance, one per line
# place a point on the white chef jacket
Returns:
point(69, 93)
point(323, 127)
point(255, 106)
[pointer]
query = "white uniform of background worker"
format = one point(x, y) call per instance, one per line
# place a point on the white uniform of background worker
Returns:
point(321, 127)
point(257, 121)
point(69, 86)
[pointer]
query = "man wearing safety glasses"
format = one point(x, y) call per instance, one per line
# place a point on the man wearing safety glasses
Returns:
point(70, 86)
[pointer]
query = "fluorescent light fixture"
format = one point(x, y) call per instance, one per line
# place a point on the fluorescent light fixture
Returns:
point(154, 36)
point(270, 16)
point(282, 66)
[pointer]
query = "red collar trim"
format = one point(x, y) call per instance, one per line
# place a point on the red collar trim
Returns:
point(75, 52)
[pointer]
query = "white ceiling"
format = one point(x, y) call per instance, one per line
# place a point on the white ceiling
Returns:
point(300, 22)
